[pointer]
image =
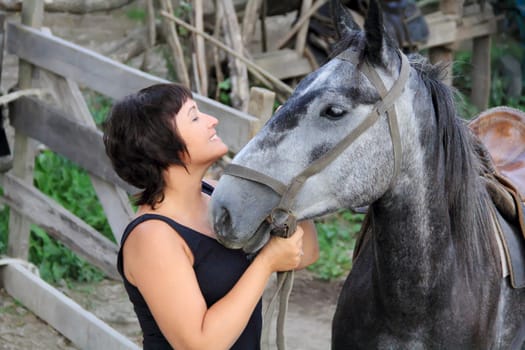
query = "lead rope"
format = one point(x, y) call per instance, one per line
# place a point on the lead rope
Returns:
point(284, 224)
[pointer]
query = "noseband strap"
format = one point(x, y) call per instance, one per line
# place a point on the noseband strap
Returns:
point(386, 105)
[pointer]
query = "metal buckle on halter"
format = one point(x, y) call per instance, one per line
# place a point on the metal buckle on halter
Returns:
point(282, 221)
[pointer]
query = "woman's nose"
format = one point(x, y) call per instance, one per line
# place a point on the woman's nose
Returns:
point(213, 121)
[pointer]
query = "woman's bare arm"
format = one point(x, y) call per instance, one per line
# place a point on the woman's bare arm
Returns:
point(161, 268)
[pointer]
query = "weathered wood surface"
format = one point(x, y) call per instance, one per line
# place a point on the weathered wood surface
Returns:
point(173, 40)
point(2, 41)
point(445, 29)
point(24, 149)
point(77, 142)
point(481, 80)
point(300, 40)
point(238, 71)
point(113, 199)
point(261, 104)
point(61, 224)
point(112, 78)
point(83, 328)
point(284, 63)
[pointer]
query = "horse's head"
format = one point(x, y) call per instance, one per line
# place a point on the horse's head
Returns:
point(338, 100)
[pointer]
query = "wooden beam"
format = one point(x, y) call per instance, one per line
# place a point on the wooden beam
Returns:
point(284, 63)
point(2, 41)
point(300, 40)
point(77, 142)
point(83, 328)
point(113, 199)
point(24, 149)
point(61, 224)
point(261, 104)
point(481, 79)
point(112, 78)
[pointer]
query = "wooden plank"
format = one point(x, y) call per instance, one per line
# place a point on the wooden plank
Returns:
point(261, 104)
point(284, 63)
point(446, 29)
point(477, 30)
point(23, 153)
point(2, 41)
point(61, 224)
point(481, 79)
point(442, 54)
point(6, 156)
point(83, 328)
point(451, 6)
point(300, 40)
point(113, 199)
point(112, 78)
point(79, 143)
point(440, 33)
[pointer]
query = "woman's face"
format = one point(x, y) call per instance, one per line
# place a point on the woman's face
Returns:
point(197, 129)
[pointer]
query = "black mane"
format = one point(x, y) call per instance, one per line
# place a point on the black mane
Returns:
point(456, 146)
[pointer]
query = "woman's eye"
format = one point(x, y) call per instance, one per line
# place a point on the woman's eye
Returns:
point(333, 112)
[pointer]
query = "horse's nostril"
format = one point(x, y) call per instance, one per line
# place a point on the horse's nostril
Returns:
point(224, 222)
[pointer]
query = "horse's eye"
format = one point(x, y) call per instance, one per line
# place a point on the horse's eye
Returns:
point(333, 112)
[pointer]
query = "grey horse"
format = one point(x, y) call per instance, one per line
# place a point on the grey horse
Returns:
point(428, 274)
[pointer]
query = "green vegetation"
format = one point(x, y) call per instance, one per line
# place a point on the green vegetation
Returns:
point(336, 242)
point(502, 51)
point(136, 14)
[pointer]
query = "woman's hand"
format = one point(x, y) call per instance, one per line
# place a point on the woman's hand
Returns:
point(283, 254)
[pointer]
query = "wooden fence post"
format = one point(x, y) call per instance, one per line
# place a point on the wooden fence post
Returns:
point(481, 79)
point(6, 158)
point(260, 105)
point(445, 53)
point(18, 242)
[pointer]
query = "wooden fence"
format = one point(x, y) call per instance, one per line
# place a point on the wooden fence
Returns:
point(63, 123)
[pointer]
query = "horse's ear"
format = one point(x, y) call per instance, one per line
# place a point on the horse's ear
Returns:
point(342, 18)
point(375, 33)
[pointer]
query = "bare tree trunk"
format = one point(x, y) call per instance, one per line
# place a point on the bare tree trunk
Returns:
point(151, 33)
point(249, 21)
point(176, 48)
point(200, 52)
point(71, 6)
point(238, 73)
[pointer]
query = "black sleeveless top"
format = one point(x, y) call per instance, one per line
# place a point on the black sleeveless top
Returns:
point(217, 269)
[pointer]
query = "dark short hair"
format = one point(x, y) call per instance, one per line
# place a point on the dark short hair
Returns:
point(141, 138)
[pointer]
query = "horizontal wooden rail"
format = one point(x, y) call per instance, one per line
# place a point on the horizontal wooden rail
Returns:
point(82, 327)
point(448, 29)
point(78, 142)
point(114, 79)
point(74, 233)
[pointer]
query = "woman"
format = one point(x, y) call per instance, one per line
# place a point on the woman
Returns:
point(188, 291)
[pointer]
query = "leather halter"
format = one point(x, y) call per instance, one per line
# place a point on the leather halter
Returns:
point(282, 220)
point(282, 213)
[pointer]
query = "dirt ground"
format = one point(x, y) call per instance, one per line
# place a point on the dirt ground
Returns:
point(308, 322)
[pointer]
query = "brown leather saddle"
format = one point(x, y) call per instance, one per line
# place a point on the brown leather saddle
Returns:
point(501, 131)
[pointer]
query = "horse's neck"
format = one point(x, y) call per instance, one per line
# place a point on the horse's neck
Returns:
point(411, 233)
